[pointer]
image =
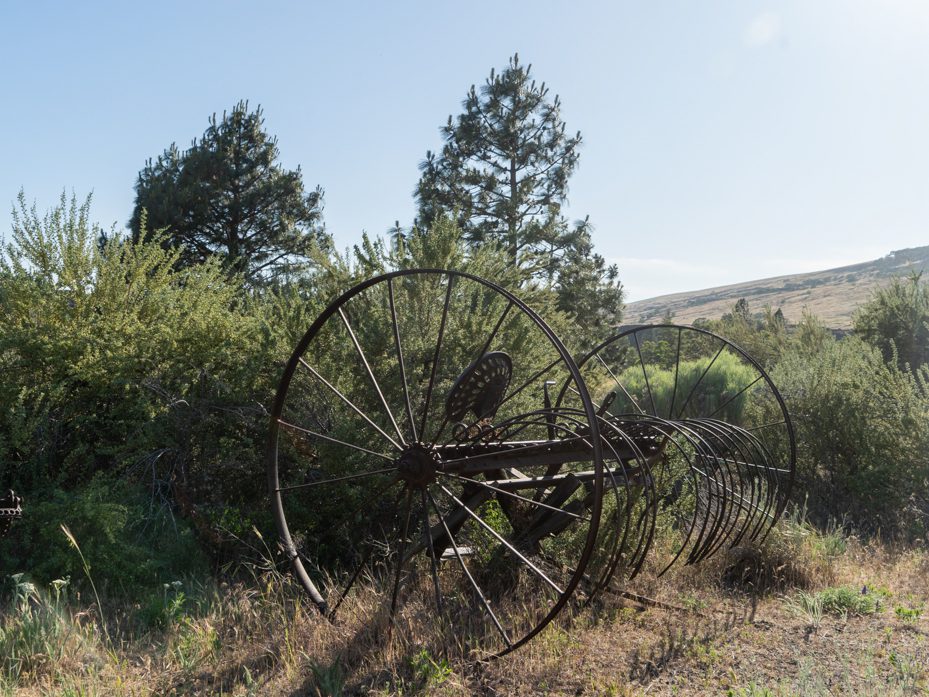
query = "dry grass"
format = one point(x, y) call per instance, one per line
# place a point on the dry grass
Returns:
point(739, 632)
point(831, 295)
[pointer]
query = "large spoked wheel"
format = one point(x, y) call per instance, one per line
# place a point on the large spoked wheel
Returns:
point(712, 427)
point(417, 477)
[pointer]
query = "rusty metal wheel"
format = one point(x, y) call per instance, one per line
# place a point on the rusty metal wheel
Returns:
point(417, 478)
point(710, 424)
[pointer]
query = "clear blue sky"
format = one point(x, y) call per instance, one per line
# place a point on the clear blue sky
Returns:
point(722, 141)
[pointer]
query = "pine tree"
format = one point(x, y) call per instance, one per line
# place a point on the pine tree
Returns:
point(503, 172)
point(228, 196)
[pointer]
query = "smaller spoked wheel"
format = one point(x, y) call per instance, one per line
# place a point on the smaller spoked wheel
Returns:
point(417, 479)
point(711, 425)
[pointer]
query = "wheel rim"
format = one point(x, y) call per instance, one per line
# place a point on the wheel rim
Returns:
point(376, 489)
point(724, 463)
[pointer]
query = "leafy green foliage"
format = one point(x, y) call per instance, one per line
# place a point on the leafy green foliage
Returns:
point(847, 600)
point(111, 356)
point(720, 382)
point(763, 336)
point(227, 196)
point(862, 435)
point(896, 321)
point(127, 546)
point(116, 362)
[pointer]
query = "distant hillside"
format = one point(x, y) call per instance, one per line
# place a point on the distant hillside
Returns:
point(831, 295)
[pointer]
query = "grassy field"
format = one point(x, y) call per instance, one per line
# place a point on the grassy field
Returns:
point(807, 613)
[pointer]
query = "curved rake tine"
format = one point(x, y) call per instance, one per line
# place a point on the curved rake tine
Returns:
point(667, 429)
point(721, 445)
point(773, 494)
point(753, 463)
point(735, 446)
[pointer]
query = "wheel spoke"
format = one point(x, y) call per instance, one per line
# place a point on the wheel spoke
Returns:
point(464, 567)
point(509, 451)
point(333, 440)
point(651, 397)
point(677, 368)
point(377, 387)
point(361, 565)
point(503, 541)
point(620, 385)
point(367, 557)
point(400, 362)
point(515, 496)
point(496, 328)
point(403, 534)
point(346, 478)
point(782, 422)
point(348, 402)
point(435, 358)
point(697, 384)
point(433, 562)
point(733, 397)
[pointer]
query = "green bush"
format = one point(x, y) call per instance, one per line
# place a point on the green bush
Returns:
point(116, 362)
point(726, 377)
point(848, 600)
point(130, 545)
point(862, 435)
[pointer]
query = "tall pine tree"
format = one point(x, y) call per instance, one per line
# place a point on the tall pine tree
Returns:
point(503, 172)
point(228, 196)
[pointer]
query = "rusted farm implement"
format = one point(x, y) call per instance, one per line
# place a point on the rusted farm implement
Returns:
point(10, 509)
point(436, 453)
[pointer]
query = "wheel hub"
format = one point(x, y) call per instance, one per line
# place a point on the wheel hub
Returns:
point(417, 466)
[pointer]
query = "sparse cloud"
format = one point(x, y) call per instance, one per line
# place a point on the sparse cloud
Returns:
point(763, 30)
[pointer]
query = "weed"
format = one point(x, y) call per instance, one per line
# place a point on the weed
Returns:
point(845, 600)
point(809, 606)
point(752, 690)
point(197, 643)
point(86, 566)
point(910, 615)
point(429, 671)
point(330, 680)
point(908, 670)
point(692, 602)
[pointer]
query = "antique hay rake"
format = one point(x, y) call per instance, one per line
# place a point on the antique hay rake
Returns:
point(437, 455)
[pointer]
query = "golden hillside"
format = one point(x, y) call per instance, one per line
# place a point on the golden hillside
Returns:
point(832, 295)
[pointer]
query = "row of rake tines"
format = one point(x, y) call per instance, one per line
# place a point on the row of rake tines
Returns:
point(716, 484)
